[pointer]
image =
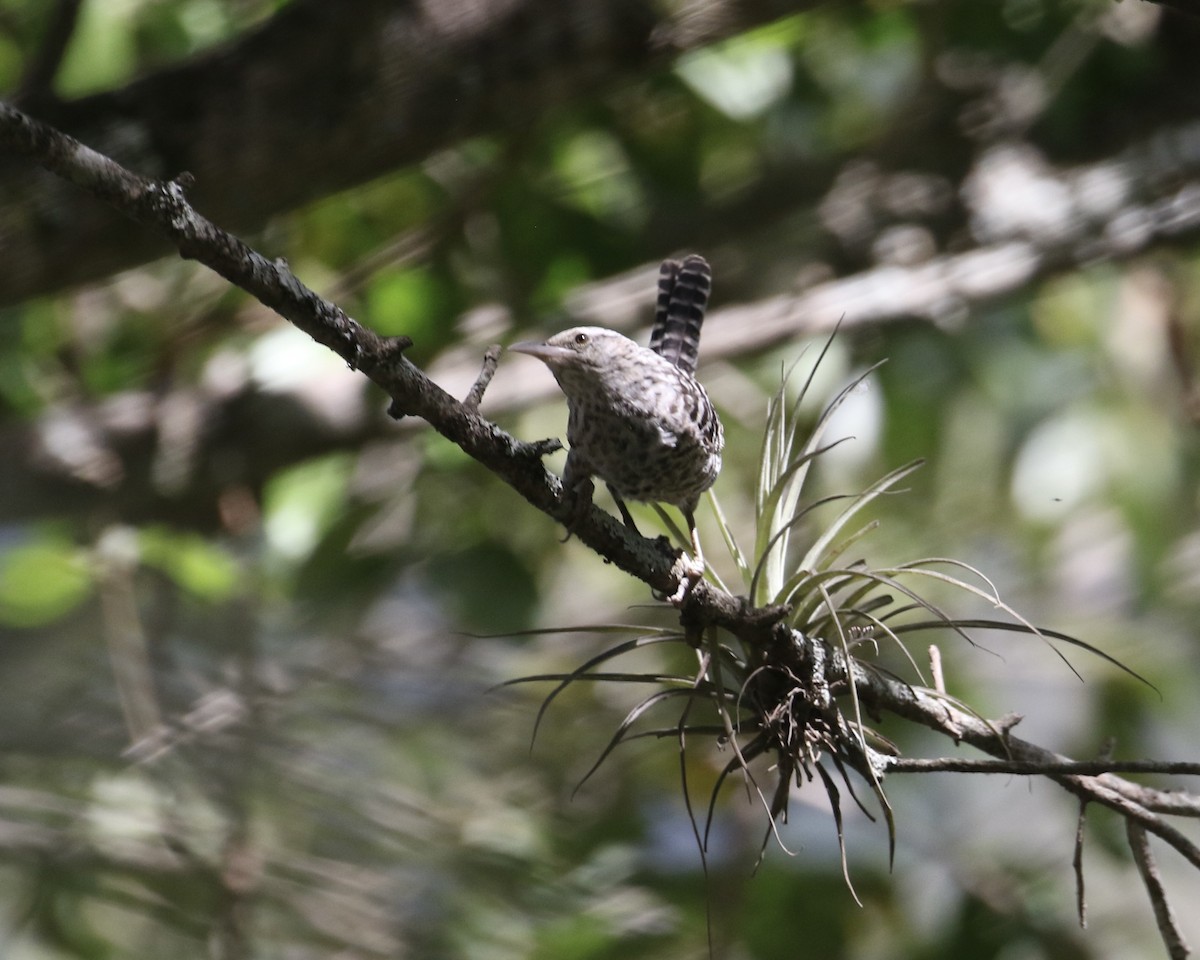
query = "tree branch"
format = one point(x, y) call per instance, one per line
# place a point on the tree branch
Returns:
point(37, 81)
point(1131, 800)
point(1168, 928)
point(165, 208)
point(1024, 767)
point(1189, 8)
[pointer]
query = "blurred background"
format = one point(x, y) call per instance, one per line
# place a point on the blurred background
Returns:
point(250, 627)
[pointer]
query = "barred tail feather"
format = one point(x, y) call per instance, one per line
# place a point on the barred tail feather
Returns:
point(668, 273)
point(683, 290)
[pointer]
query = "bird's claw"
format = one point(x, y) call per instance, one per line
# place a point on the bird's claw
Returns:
point(578, 501)
point(690, 571)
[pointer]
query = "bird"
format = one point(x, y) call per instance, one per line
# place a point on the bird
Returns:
point(638, 418)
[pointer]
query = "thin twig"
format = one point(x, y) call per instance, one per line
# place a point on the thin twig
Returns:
point(1168, 928)
point(1087, 768)
point(491, 358)
point(935, 668)
point(1077, 866)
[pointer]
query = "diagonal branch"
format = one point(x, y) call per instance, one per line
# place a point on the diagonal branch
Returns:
point(1132, 801)
point(1168, 927)
point(1021, 767)
point(38, 79)
point(165, 208)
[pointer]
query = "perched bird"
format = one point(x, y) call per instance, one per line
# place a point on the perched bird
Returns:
point(637, 417)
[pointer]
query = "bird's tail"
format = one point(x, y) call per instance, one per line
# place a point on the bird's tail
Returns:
point(683, 289)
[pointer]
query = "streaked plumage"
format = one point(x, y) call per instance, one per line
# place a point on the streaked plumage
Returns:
point(638, 419)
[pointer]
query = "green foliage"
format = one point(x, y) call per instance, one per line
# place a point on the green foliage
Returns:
point(413, 302)
point(199, 566)
point(41, 581)
point(103, 52)
point(273, 705)
point(301, 503)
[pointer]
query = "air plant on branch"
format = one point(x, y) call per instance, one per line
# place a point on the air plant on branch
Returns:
point(788, 695)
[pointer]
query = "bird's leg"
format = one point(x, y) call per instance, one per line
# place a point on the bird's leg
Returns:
point(577, 489)
point(689, 569)
point(625, 514)
point(578, 498)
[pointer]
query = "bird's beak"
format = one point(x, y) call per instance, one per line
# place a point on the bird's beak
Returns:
point(543, 351)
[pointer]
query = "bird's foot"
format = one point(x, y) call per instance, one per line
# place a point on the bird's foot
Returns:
point(578, 499)
point(689, 570)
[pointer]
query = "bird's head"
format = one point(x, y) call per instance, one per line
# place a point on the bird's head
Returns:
point(583, 355)
point(577, 347)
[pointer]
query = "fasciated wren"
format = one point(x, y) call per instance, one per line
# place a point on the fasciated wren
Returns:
point(638, 418)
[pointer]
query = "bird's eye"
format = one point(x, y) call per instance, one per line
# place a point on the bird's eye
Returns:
point(581, 338)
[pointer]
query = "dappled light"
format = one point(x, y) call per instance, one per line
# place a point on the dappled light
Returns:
point(350, 608)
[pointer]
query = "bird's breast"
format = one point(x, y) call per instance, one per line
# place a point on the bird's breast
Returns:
point(667, 453)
